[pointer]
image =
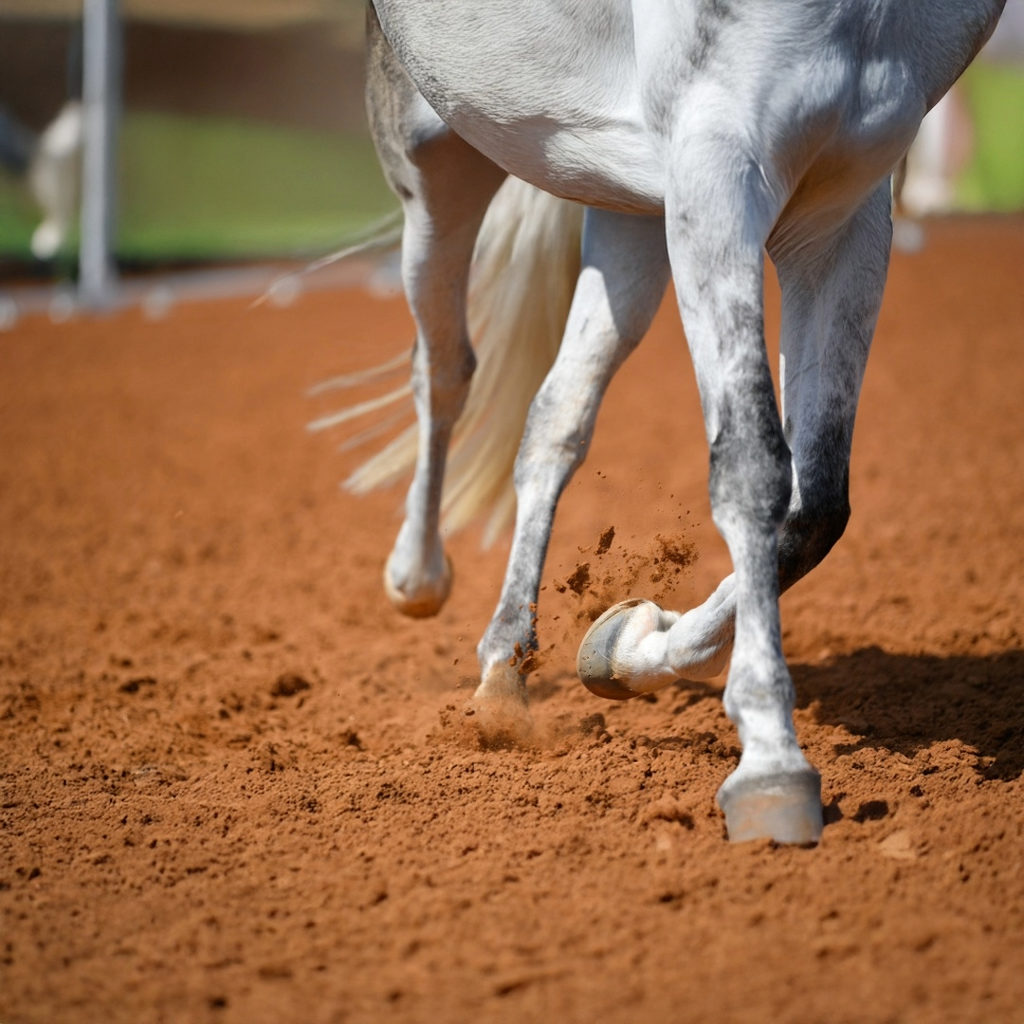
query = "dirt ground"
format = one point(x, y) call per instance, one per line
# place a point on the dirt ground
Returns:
point(238, 787)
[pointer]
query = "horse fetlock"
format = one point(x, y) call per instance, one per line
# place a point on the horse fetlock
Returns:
point(622, 654)
point(759, 700)
point(701, 659)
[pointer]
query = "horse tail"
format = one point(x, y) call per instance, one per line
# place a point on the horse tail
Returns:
point(523, 275)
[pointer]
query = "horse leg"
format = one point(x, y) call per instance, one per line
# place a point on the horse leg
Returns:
point(831, 295)
point(637, 647)
point(719, 213)
point(832, 291)
point(445, 187)
point(623, 278)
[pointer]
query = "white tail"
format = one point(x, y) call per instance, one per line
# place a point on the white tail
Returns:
point(524, 272)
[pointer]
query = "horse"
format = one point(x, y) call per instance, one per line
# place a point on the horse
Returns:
point(638, 141)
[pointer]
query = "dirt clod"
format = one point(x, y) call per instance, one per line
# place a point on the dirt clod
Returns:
point(288, 684)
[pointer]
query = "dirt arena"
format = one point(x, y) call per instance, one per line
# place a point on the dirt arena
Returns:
point(238, 787)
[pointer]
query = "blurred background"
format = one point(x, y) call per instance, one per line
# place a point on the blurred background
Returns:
point(238, 134)
point(241, 132)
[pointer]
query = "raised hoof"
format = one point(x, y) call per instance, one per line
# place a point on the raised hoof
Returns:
point(426, 602)
point(785, 807)
point(596, 662)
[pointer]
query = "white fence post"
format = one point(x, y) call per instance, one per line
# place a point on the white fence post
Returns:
point(101, 88)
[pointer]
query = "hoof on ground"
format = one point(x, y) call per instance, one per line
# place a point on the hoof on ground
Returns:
point(785, 806)
point(501, 715)
point(424, 602)
point(598, 661)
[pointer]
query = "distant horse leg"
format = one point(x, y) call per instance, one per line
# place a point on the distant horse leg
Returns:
point(623, 278)
point(445, 186)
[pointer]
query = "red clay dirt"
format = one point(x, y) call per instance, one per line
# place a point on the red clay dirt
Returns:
point(238, 787)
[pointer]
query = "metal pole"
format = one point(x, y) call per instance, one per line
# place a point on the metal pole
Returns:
point(101, 89)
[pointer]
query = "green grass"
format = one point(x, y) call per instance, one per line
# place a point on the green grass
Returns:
point(18, 216)
point(994, 180)
point(208, 188)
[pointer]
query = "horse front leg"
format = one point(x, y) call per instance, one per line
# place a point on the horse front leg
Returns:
point(719, 212)
point(623, 278)
point(831, 293)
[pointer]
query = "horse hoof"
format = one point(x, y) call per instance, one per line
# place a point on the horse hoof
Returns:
point(784, 806)
point(426, 601)
point(599, 663)
point(501, 713)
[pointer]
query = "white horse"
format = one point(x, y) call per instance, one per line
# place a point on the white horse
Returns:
point(698, 134)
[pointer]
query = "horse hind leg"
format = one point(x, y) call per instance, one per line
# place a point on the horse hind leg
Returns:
point(623, 278)
point(445, 187)
point(832, 292)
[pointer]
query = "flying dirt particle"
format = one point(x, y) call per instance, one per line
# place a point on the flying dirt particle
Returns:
point(606, 541)
point(678, 551)
point(134, 685)
point(525, 661)
point(580, 579)
point(531, 662)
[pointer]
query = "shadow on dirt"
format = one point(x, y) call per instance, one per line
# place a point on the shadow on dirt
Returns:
point(905, 703)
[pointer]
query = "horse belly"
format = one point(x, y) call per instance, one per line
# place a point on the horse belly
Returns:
point(550, 93)
point(610, 166)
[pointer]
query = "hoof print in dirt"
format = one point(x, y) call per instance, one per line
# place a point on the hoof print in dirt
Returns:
point(288, 685)
point(134, 685)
